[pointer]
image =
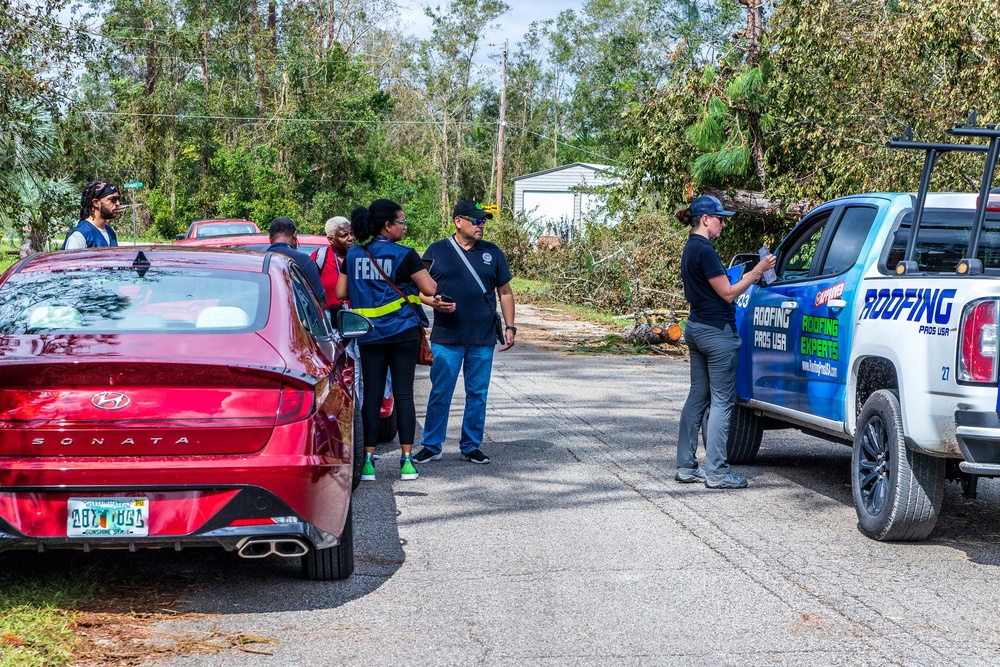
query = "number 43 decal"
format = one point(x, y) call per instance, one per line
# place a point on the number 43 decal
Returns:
point(945, 372)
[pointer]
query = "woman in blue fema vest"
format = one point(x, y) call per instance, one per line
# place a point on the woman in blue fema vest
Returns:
point(99, 204)
point(376, 259)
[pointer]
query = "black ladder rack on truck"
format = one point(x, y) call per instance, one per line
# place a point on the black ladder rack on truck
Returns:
point(970, 265)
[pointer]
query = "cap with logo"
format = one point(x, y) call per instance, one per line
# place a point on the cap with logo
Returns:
point(467, 208)
point(708, 205)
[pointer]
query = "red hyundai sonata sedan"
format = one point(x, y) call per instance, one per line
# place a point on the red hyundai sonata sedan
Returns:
point(160, 397)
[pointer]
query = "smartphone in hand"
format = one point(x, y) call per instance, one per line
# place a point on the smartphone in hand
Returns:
point(446, 299)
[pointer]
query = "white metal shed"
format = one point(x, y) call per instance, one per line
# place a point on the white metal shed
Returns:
point(552, 198)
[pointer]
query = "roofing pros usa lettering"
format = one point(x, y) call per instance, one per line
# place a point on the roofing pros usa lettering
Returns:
point(933, 305)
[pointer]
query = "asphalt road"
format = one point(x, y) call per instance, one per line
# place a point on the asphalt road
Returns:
point(576, 547)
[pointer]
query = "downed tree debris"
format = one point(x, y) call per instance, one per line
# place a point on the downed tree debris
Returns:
point(645, 334)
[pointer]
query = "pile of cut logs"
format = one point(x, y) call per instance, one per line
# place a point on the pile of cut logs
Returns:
point(652, 334)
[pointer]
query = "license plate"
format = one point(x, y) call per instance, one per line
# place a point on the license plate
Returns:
point(107, 517)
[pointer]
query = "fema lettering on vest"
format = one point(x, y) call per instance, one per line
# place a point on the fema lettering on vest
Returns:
point(363, 269)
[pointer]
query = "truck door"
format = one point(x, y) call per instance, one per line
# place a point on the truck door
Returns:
point(799, 326)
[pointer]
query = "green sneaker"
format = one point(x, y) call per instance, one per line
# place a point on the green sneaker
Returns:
point(368, 471)
point(406, 468)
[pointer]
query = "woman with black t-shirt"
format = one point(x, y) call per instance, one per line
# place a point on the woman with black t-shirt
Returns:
point(714, 345)
point(372, 266)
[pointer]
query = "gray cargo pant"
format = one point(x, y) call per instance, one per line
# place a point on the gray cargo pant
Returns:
point(714, 358)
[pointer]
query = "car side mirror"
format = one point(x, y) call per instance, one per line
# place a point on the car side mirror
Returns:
point(352, 325)
point(180, 237)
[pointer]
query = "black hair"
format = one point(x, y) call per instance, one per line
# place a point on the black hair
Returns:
point(281, 226)
point(90, 193)
point(367, 223)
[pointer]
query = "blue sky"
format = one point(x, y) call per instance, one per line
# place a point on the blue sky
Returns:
point(512, 26)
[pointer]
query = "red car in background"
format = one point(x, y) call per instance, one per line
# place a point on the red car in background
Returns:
point(162, 397)
point(308, 243)
point(201, 229)
point(252, 241)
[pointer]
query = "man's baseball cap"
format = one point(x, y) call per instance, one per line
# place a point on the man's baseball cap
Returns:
point(467, 208)
point(706, 205)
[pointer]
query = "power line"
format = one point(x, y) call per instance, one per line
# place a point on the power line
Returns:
point(576, 148)
point(259, 119)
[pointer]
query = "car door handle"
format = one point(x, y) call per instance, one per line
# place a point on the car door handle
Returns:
point(836, 305)
point(789, 305)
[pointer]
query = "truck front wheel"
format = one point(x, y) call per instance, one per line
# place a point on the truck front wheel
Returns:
point(897, 492)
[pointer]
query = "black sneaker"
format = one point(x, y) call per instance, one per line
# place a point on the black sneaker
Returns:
point(476, 456)
point(425, 455)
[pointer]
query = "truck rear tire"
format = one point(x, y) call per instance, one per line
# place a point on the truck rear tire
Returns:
point(897, 492)
point(746, 430)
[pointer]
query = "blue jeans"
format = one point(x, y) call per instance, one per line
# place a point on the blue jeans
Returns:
point(714, 359)
point(476, 363)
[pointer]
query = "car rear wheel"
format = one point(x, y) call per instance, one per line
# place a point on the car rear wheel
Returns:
point(359, 445)
point(897, 492)
point(387, 427)
point(336, 562)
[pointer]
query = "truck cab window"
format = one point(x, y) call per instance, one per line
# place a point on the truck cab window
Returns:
point(796, 257)
point(852, 230)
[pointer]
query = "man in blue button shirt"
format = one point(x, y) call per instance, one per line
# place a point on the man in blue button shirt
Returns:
point(464, 332)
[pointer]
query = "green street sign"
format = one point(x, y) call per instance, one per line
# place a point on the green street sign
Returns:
point(131, 185)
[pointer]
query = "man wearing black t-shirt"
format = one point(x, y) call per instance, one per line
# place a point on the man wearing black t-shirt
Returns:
point(470, 273)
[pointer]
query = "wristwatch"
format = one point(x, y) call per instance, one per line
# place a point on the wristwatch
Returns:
point(514, 329)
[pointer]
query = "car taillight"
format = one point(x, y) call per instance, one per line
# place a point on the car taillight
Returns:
point(979, 342)
point(295, 404)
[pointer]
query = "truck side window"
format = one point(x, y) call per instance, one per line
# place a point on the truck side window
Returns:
point(848, 238)
point(943, 240)
point(797, 257)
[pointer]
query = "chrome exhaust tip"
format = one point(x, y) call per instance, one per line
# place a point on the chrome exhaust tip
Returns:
point(286, 547)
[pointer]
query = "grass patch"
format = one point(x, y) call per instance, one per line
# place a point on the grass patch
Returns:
point(7, 261)
point(527, 290)
point(536, 292)
point(36, 616)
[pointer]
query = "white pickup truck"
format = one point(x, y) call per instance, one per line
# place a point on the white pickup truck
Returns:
point(881, 332)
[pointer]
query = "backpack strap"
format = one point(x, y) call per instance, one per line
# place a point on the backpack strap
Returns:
point(321, 254)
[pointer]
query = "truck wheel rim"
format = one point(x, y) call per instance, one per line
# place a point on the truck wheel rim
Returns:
point(873, 466)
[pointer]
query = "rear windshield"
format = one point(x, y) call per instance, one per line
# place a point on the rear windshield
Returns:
point(228, 229)
point(943, 240)
point(119, 300)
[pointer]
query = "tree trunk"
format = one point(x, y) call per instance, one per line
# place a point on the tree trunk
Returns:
point(753, 34)
point(756, 203)
point(255, 54)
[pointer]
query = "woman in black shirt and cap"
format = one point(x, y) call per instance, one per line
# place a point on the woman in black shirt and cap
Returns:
point(713, 343)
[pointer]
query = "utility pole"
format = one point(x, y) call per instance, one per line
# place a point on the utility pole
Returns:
point(503, 124)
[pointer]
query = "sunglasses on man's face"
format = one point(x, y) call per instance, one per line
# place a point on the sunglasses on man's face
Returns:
point(476, 221)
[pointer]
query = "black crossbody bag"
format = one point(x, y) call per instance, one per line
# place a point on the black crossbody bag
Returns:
point(497, 318)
